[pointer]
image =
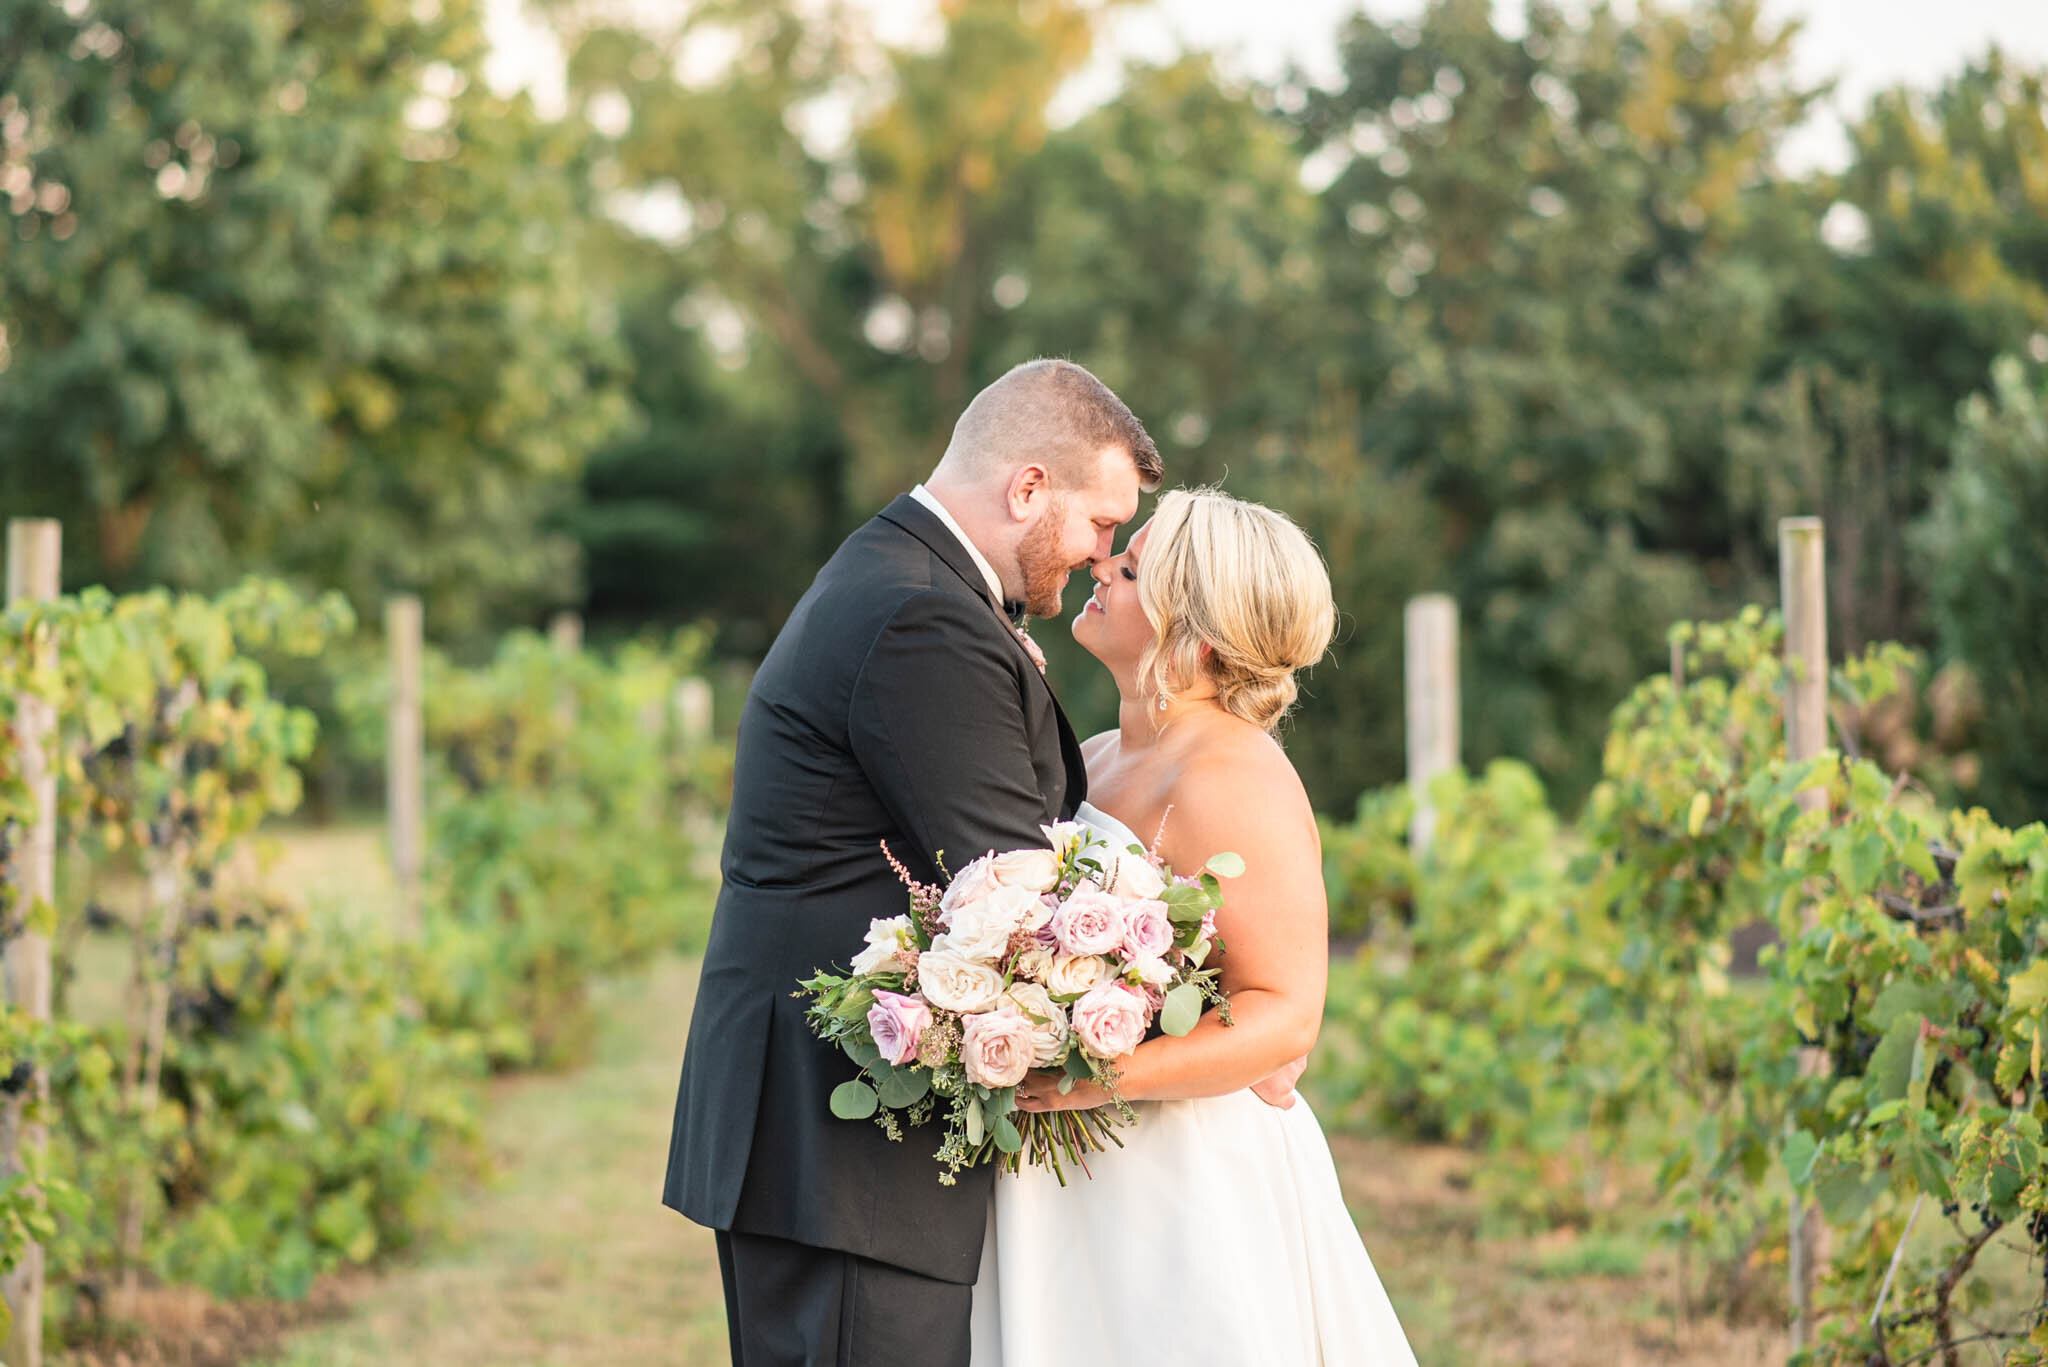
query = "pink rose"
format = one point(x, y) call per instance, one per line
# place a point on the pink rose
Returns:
point(970, 884)
point(1111, 1019)
point(996, 1047)
point(898, 1024)
point(1089, 922)
point(1148, 931)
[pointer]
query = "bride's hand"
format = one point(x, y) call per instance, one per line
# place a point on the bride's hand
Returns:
point(1040, 1091)
point(1277, 1088)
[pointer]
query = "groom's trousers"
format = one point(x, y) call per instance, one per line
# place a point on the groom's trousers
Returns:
point(791, 1305)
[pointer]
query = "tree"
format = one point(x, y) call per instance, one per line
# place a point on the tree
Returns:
point(1536, 253)
point(860, 261)
point(290, 290)
point(1986, 563)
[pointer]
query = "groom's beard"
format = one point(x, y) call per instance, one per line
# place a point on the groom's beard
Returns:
point(1044, 569)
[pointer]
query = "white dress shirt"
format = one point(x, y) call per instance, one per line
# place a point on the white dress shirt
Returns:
point(988, 571)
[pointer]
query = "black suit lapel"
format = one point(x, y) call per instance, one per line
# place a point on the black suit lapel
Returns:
point(1070, 754)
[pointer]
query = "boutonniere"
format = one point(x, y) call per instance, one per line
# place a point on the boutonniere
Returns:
point(1031, 648)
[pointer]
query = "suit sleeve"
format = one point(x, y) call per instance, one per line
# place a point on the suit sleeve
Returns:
point(936, 722)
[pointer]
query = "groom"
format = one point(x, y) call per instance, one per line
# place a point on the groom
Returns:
point(900, 704)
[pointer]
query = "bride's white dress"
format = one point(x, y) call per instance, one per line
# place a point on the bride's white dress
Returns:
point(1216, 1235)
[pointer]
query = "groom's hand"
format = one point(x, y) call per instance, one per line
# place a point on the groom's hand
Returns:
point(1277, 1087)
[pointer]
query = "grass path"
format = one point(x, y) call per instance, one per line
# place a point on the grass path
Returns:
point(568, 1259)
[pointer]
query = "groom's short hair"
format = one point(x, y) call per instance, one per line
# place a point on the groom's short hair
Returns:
point(1052, 413)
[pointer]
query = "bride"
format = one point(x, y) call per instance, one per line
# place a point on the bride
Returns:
point(1217, 1234)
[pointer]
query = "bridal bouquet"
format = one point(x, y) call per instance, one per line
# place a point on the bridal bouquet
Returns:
point(1058, 957)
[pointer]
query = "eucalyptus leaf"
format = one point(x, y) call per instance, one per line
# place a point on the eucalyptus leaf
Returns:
point(854, 1100)
point(1182, 1009)
point(905, 1087)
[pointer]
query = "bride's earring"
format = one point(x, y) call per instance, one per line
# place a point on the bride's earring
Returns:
point(1162, 704)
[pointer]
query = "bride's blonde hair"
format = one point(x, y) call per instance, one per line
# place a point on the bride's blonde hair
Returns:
point(1246, 582)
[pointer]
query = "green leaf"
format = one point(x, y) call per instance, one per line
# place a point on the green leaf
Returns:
point(2029, 987)
point(1696, 814)
point(975, 1128)
point(1006, 1136)
point(1226, 865)
point(1907, 996)
point(1182, 1009)
point(1891, 1064)
point(1800, 1152)
point(1845, 1193)
point(905, 1087)
point(1933, 1181)
point(854, 1100)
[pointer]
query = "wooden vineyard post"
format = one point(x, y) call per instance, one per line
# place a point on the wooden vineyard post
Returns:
point(565, 633)
point(565, 630)
point(405, 799)
point(1802, 578)
point(34, 552)
point(1430, 626)
point(692, 703)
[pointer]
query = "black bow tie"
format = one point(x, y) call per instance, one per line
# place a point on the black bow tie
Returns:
point(1013, 608)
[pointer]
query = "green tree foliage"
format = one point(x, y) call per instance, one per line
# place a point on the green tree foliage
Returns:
point(1986, 561)
point(288, 289)
point(1536, 254)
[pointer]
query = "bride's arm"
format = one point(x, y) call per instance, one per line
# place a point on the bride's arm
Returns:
point(1275, 928)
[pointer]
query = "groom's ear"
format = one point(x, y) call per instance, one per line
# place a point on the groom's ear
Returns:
point(1030, 487)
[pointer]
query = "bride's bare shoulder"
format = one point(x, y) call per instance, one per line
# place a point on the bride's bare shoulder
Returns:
point(1239, 788)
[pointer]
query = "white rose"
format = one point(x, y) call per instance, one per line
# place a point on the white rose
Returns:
point(1049, 1027)
point(1033, 963)
point(956, 984)
point(1150, 971)
point(981, 929)
point(1134, 877)
point(1037, 870)
point(1073, 974)
point(887, 936)
point(1037, 916)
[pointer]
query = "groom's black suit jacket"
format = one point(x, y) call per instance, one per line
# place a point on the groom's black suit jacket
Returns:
point(897, 704)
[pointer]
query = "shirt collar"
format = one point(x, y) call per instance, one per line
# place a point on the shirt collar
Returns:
point(938, 510)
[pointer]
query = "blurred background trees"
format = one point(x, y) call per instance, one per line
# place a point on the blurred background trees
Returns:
point(1539, 320)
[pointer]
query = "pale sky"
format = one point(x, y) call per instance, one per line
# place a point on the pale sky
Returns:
point(1866, 44)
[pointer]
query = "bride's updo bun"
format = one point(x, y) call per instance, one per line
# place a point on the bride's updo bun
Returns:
point(1247, 583)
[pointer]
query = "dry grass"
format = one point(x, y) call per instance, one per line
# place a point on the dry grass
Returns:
point(1554, 1300)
